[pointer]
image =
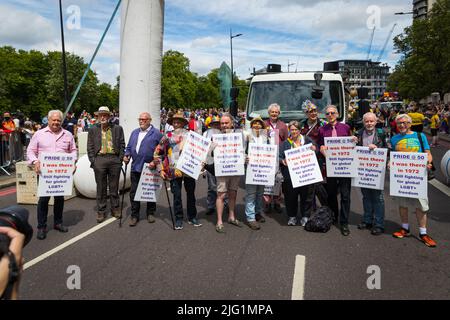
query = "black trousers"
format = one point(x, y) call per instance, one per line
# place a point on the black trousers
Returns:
point(42, 211)
point(291, 201)
point(343, 185)
point(136, 205)
point(107, 173)
point(189, 186)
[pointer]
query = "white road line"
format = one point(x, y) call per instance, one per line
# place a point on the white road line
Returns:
point(298, 286)
point(67, 243)
point(440, 186)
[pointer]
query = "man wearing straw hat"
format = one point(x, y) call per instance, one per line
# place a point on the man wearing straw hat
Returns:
point(167, 154)
point(105, 148)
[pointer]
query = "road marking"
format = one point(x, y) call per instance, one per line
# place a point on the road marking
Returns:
point(440, 186)
point(298, 286)
point(8, 191)
point(67, 243)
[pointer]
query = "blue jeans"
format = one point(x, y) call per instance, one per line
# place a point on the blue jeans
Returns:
point(373, 203)
point(212, 190)
point(253, 200)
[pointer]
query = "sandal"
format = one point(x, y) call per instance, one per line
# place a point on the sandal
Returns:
point(235, 222)
point(220, 228)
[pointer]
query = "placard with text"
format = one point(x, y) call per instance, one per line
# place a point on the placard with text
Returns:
point(303, 166)
point(340, 159)
point(56, 178)
point(228, 154)
point(371, 168)
point(262, 164)
point(149, 187)
point(408, 175)
point(195, 151)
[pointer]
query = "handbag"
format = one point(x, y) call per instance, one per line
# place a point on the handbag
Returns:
point(430, 172)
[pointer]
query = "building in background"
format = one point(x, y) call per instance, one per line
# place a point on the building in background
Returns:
point(362, 73)
point(421, 8)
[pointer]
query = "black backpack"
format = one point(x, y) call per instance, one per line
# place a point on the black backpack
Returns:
point(320, 221)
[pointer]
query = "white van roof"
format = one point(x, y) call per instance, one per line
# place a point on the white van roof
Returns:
point(290, 76)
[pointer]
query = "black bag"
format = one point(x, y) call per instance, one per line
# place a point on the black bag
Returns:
point(430, 172)
point(320, 221)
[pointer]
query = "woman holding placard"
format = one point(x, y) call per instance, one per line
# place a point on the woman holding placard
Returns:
point(291, 194)
point(410, 141)
point(254, 196)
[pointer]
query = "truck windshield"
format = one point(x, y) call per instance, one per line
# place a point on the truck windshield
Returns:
point(290, 95)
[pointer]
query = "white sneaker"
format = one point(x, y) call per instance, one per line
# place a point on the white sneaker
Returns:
point(304, 221)
point(292, 221)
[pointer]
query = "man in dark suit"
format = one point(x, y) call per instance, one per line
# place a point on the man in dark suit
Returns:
point(140, 148)
point(106, 147)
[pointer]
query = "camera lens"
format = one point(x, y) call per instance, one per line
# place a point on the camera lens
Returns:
point(16, 217)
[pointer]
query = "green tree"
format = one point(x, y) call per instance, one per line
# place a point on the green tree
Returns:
point(425, 47)
point(87, 98)
point(105, 96)
point(21, 81)
point(208, 94)
point(243, 93)
point(178, 83)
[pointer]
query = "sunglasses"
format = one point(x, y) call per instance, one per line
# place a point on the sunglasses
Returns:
point(141, 119)
point(329, 113)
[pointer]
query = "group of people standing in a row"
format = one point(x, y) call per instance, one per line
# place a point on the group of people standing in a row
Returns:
point(148, 146)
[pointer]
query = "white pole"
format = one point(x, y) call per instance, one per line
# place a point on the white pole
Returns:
point(142, 24)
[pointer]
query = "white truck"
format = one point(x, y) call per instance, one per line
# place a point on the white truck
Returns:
point(290, 90)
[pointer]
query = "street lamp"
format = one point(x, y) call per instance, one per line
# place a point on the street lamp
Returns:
point(415, 12)
point(231, 46)
point(289, 64)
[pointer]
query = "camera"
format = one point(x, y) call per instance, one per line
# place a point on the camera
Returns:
point(14, 217)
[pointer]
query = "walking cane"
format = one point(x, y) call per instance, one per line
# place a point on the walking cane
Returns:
point(123, 193)
point(170, 207)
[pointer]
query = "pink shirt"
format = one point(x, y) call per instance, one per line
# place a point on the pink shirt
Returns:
point(45, 140)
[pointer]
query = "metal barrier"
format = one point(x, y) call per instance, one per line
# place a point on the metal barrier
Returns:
point(11, 150)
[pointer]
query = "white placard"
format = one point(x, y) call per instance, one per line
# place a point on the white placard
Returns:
point(409, 175)
point(340, 157)
point(195, 151)
point(262, 164)
point(149, 187)
point(371, 168)
point(303, 166)
point(228, 154)
point(56, 178)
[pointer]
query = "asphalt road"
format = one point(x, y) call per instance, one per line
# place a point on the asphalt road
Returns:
point(152, 261)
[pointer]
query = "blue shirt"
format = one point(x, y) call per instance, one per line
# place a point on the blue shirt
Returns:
point(409, 143)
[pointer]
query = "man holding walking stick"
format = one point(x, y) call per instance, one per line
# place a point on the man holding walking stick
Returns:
point(140, 149)
point(105, 148)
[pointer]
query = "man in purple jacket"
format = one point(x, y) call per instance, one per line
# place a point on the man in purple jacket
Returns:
point(140, 148)
point(334, 128)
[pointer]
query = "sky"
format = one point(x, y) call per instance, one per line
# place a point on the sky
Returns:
point(301, 33)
